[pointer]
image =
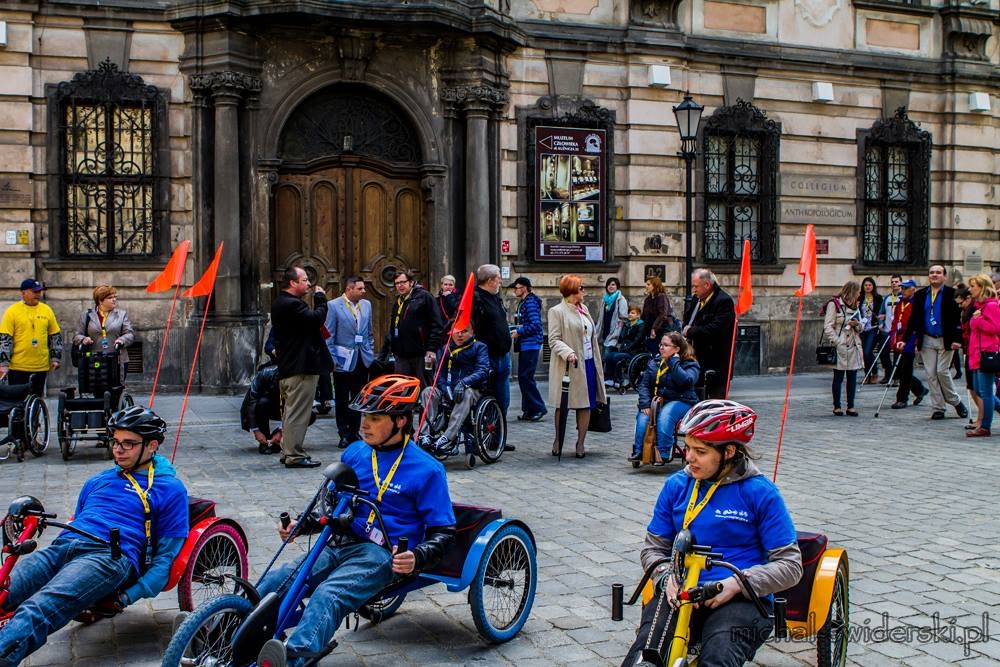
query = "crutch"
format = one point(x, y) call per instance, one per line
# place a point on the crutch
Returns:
point(888, 384)
point(875, 363)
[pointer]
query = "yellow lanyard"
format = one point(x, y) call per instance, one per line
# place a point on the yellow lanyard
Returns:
point(356, 313)
point(400, 302)
point(144, 498)
point(101, 319)
point(383, 486)
point(660, 371)
point(934, 296)
point(693, 510)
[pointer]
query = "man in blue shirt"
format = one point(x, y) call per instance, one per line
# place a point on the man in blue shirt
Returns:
point(142, 497)
point(411, 490)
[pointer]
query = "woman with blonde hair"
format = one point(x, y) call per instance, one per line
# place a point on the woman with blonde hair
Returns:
point(576, 352)
point(105, 327)
point(842, 326)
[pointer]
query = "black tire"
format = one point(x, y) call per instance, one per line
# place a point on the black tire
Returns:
point(503, 591)
point(205, 637)
point(490, 430)
point(376, 612)
point(36, 426)
point(62, 429)
point(636, 366)
point(831, 640)
point(620, 376)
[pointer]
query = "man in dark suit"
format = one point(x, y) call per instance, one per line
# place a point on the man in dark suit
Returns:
point(302, 357)
point(708, 320)
point(936, 321)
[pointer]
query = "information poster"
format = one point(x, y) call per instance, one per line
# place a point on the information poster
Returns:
point(570, 201)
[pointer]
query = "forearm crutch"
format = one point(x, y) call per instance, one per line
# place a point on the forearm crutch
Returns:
point(875, 363)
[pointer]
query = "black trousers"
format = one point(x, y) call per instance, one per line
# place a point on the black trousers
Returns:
point(345, 387)
point(908, 384)
point(21, 377)
point(264, 413)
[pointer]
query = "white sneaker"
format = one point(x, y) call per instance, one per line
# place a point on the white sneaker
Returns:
point(442, 444)
point(609, 383)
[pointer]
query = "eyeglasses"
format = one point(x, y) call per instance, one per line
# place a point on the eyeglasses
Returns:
point(124, 445)
point(401, 282)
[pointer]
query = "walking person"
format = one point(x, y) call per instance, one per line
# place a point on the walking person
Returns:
point(937, 323)
point(657, 315)
point(984, 336)
point(416, 328)
point(352, 346)
point(870, 305)
point(885, 325)
point(709, 321)
point(489, 321)
point(303, 357)
point(842, 325)
point(527, 335)
point(30, 339)
point(906, 348)
point(614, 315)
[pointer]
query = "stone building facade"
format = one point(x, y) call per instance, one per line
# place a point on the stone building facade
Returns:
point(358, 137)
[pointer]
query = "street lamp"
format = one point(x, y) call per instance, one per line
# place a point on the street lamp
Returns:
point(688, 115)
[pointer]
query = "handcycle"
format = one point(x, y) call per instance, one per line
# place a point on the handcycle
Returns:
point(493, 557)
point(83, 416)
point(817, 605)
point(483, 434)
point(214, 552)
point(26, 417)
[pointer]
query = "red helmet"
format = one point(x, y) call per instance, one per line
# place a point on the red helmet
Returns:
point(719, 422)
point(388, 394)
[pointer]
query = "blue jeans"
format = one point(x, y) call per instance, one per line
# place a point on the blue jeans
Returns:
point(984, 384)
point(531, 400)
point(666, 421)
point(343, 579)
point(500, 381)
point(50, 587)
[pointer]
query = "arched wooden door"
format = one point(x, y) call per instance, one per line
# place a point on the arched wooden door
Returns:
point(356, 218)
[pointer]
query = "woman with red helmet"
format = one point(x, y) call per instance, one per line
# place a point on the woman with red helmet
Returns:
point(726, 503)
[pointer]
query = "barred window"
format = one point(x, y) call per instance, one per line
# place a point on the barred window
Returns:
point(740, 151)
point(107, 128)
point(896, 155)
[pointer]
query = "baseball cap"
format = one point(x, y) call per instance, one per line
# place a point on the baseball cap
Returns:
point(908, 283)
point(520, 281)
point(32, 284)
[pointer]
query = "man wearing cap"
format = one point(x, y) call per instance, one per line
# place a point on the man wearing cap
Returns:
point(527, 335)
point(904, 366)
point(30, 340)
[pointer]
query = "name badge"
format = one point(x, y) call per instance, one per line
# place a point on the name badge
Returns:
point(359, 338)
point(375, 535)
point(34, 342)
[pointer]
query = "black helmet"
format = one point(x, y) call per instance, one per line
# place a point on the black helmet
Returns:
point(139, 420)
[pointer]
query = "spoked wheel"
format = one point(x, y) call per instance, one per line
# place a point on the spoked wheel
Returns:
point(378, 611)
point(636, 367)
point(503, 591)
point(831, 640)
point(219, 551)
point(204, 639)
point(490, 430)
point(37, 426)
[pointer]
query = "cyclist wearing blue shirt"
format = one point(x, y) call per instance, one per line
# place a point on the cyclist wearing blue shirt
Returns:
point(411, 490)
point(143, 498)
point(723, 499)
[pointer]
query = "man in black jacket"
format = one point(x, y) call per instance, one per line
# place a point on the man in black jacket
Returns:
point(302, 357)
point(936, 321)
point(415, 328)
point(709, 319)
point(489, 321)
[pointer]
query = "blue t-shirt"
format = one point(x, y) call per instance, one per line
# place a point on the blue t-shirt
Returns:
point(743, 520)
point(108, 501)
point(417, 496)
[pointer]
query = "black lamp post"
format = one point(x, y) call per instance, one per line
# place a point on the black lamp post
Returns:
point(688, 114)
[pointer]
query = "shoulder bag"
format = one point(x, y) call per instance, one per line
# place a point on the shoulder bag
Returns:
point(826, 354)
point(600, 417)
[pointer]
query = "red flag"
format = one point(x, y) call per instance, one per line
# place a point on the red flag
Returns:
point(464, 313)
point(173, 272)
point(206, 283)
point(745, 300)
point(807, 263)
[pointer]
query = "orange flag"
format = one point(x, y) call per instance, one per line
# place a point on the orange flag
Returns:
point(745, 300)
point(206, 283)
point(807, 263)
point(173, 272)
point(464, 313)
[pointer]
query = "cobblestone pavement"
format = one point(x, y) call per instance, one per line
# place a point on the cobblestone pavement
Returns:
point(912, 500)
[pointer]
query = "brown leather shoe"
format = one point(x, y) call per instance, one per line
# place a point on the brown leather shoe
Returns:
point(978, 433)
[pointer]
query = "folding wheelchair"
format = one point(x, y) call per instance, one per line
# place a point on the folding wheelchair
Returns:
point(27, 420)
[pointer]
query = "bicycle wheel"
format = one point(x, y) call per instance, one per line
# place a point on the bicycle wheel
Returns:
point(204, 639)
point(831, 640)
point(37, 426)
point(490, 430)
point(503, 591)
point(219, 551)
point(378, 611)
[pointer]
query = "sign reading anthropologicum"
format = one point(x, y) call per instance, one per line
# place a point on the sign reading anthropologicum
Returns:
point(570, 200)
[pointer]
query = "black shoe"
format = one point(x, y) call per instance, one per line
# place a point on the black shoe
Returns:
point(884, 380)
point(961, 410)
point(324, 408)
point(937, 414)
point(303, 463)
point(538, 417)
point(916, 401)
point(523, 417)
point(344, 442)
point(898, 405)
point(509, 448)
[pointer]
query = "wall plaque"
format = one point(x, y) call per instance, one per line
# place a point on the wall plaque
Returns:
point(811, 185)
point(822, 214)
point(16, 192)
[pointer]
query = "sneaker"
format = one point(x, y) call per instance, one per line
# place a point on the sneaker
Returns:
point(539, 417)
point(898, 405)
point(916, 401)
point(425, 442)
point(609, 383)
point(272, 654)
point(961, 410)
point(937, 414)
point(442, 444)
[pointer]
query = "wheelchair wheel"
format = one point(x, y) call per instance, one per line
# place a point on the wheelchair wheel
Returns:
point(219, 551)
point(37, 426)
point(376, 612)
point(66, 444)
point(831, 640)
point(503, 591)
point(490, 430)
point(205, 637)
point(636, 367)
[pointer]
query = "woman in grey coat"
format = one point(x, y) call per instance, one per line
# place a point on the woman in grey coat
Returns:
point(842, 326)
point(105, 326)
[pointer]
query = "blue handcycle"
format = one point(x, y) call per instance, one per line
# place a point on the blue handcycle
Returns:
point(493, 557)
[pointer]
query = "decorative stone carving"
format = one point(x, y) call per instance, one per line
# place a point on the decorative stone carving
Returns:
point(966, 31)
point(569, 109)
point(355, 52)
point(817, 13)
point(899, 130)
point(108, 83)
point(471, 95)
point(224, 82)
point(654, 13)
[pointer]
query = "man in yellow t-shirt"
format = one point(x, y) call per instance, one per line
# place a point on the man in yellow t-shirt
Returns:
point(30, 341)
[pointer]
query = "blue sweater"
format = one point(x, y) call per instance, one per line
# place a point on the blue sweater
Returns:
point(529, 320)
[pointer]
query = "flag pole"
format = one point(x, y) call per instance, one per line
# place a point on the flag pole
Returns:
point(732, 353)
point(194, 363)
point(788, 389)
point(163, 344)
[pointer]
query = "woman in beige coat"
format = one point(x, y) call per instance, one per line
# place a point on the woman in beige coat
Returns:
point(842, 326)
point(574, 344)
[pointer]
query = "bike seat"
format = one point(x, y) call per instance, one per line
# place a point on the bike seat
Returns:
point(469, 522)
point(812, 546)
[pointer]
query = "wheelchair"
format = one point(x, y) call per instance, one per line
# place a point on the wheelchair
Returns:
point(83, 415)
point(483, 434)
point(493, 557)
point(26, 417)
point(628, 372)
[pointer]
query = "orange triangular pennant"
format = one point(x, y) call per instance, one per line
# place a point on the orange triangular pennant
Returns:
point(206, 283)
point(173, 272)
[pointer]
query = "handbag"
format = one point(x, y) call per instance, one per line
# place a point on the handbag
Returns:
point(650, 453)
point(989, 362)
point(826, 354)
point(600, 418)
